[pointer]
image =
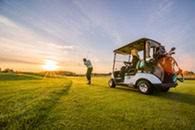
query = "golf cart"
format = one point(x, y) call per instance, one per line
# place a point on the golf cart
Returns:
point(156, 69)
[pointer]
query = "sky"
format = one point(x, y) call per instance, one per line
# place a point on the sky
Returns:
point(65, 31)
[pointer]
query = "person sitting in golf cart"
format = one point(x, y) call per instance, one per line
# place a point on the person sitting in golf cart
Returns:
point(135, 59)
point(130, 65)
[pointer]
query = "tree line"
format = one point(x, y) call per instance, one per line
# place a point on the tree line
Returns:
point(7, 70)
point(68, 73)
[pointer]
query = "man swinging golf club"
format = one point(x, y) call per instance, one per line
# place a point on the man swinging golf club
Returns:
point(89, 69)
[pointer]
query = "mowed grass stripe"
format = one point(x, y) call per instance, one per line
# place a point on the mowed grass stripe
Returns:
point(30, 101)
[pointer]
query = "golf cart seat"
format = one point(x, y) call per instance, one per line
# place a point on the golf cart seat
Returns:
point(139, 66)
point(132, 71)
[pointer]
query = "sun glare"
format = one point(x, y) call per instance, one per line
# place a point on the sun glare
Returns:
point(50, 65)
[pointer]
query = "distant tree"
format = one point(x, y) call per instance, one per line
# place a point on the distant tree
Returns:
point(7, 70)
point(188, 72)
point(11, 70)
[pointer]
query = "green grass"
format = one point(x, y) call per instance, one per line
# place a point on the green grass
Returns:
point(28, 102)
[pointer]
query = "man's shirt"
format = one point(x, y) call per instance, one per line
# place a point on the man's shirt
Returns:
point(88, 64)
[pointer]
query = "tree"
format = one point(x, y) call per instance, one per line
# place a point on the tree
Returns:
point(188, 72)
point(7, 70)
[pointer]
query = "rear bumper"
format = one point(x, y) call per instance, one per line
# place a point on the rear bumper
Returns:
point(165, 85)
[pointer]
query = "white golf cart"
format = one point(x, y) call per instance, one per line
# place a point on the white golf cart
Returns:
point(156, 69)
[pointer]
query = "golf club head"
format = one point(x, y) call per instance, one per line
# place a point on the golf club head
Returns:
point(172, 49)
point(172, 53)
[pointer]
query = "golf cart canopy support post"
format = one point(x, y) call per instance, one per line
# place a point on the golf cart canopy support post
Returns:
point(144, 51)
point(114, 62)
point(129, 58)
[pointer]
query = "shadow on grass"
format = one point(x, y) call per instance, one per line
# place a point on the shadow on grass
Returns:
point(127, 89)
point(122, 88)
point(176, 97)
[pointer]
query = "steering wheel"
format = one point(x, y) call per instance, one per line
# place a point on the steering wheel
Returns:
point(127, 64)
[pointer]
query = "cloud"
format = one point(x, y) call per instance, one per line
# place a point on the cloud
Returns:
point(8, 60)
point(46, 24)
point(24, 41)
point(100, 17)
point(162, 9)
point(6, 21)
point(61, 46)
point(57, 46)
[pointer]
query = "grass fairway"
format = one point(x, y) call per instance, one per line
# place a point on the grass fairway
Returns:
point(29, 102)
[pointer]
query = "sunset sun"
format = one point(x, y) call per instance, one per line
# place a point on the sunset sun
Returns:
point(50, 65)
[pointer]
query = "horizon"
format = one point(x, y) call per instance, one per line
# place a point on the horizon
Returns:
point(65, 32)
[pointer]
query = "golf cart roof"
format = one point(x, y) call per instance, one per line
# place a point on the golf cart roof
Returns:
point(138, 44)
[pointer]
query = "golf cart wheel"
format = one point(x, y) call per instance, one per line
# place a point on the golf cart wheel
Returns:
point(145, 87)
point(164, 89)
point(111, 83)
